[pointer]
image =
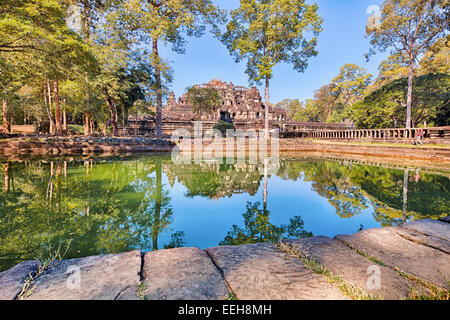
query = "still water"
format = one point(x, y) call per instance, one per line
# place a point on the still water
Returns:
point(150, 203)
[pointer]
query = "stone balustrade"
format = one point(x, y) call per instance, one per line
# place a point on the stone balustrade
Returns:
point(379, 134)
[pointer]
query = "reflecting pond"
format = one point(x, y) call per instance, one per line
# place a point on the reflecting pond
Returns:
point(150, 203)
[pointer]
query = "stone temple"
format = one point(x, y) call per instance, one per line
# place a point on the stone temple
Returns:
point(240, 105)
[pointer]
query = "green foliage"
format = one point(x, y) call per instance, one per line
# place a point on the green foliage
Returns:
point(393, 68)
point(109, 206)
point(203, 99)
point(37, 44)
point(409, 28)
point(385, 107)
point(299, 111)
point(258, 228)
point(100, 70)
point(35, 26)
point(267, 32)
point(351, 83)
point(176, 240)
point(223, 126)
point(436, 60)
point(167, 21)
point(75, 129)
point(332, 101)
point(325, 100)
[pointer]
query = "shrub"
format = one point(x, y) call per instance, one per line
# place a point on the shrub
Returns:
point(222, 126)
point(74, 129)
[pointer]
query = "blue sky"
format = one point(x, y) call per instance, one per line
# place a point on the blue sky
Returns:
point(341, 41)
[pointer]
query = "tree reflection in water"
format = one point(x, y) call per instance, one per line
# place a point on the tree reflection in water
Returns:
point(116, 205)
point(257, 228)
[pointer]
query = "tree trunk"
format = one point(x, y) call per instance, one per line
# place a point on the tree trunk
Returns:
point(58, 186)
point(266, 109)
point(410, 91)
point(158, 89)
point(136, 122)
point(86, 123)
point(64, 116)
point(6, 119)
point(158, 205)
point(6, 171)
point(49, 95)
point(405, 195)
point(86, 20)
point(48, 105)
point(104, 128)
point(266, 163)
point(113, 116)
point(57, 108)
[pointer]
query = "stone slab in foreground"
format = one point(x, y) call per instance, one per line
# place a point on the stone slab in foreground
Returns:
point(395, 251)
point(430, 227)
point(445, 219)
point(12, 280)
point(182, 274)
point(352, 267)
point(262, 272)
point(103, 277)
point(424, 239)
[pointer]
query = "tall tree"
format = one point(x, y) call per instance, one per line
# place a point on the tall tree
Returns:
point(25, 26)
point(394, 67)
point(112, 51)
point(89, 15)
point(39, 47)
point(267, 32)
point(385, 107)
point(410, 27)
point(307, 111)
point(167, 21)
point(325, 100)
point(351, 83)
point(203, 99)
point(6, 121)
point(437, 58)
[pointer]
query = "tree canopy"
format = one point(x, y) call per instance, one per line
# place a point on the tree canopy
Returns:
point(167, 21)
point(267, 32)
point(385, 107)
point(409, 27)
point(203, 99)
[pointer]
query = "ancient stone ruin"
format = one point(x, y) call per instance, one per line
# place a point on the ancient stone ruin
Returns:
point(241, 106)
point(238, 103)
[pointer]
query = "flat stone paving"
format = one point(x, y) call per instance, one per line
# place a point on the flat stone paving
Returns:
point(353, 268)
point(103, 277)
point(182, 273)
point(255, 271)
point(395, 251)
point(430, 227)
point(262, 272)
point(445, 219)
point(424, 239)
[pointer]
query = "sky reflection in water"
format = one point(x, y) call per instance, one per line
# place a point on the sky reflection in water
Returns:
point(148, 203)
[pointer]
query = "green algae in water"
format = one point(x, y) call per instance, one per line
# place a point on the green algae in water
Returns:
point(150, 203)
